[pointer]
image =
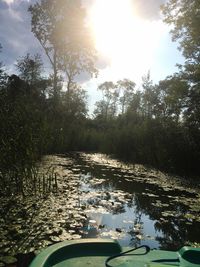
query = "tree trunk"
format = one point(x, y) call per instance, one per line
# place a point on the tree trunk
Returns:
point(55, 89)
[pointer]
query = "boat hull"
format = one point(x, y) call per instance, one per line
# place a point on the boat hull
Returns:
point(95, 252)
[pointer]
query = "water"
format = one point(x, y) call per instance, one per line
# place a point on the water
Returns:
point(101, 197)
point(136, 205)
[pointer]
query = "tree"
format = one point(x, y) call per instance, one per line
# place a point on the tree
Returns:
point(110, 97)
point(184, 16)
point(149, 97)
point(60, 28)
point(3, 75)
point(192, 113)
point(172, 94)
point(75, 102)
point(77, 53)
point(135, 103)
point(30, 68)
point(45, 22)
point(126, 88)
point(101, 109)
point(22, 133)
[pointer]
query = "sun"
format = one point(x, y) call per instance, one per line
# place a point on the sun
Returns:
point(126, 39)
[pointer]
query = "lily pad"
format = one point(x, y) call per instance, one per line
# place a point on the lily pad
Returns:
point(8, 260)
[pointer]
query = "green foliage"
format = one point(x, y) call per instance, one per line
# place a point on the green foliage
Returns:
point(184, 15)
point(3, 75)
point(126, 90)
point(32, 124)
point(116, 98)
point(149, 96)
point(19, 136)
point(30, 68)
point(60, 28)
point(44, 25)
point(172, 94)
point(159, 127)
point(107, 108)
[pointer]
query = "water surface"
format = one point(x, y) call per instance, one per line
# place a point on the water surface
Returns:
point(99, 196)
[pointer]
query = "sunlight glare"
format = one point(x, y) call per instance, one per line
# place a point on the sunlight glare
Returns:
point(120, 35)
point(8, 2)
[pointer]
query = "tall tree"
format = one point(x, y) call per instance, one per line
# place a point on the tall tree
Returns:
point(77, 53)
point(110, 97)
point(3, 75)
point(135, 103)
point(101, 109)
point(60, 28)
point(172, 94)
point(126, 88)
point(149, 96)
point(30, 68)
point(184, 16)
point(45, 22)
point(75, 102)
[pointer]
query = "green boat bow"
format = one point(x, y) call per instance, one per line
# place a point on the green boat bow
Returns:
point(97, 253)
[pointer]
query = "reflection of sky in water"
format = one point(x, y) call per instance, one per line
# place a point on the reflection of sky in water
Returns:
point(146, 204)
point(123, 220)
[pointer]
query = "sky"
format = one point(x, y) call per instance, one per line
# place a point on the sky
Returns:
point(129, 36)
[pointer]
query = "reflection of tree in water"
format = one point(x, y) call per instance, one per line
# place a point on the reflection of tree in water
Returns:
point(174, 231)
point(173, 228)
point(136, 231)
point(118, 209)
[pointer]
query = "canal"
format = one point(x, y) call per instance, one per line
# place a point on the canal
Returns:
point(98, 196)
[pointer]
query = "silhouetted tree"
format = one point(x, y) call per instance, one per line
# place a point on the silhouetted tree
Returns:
point(3, 75)
point(110, 97)
point(149, 96)
point(184, 15)
point(30, 68)
point(21, 133)
point(101, 109)
point(126, 88)
point(172, 93)
point(45, 24)
point(60, 28)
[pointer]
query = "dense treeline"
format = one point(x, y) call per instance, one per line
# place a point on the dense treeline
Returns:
point(157, 125)
point(155, 129)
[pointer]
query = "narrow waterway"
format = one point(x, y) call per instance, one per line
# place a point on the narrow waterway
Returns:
point(137, 205)
point(98, 196)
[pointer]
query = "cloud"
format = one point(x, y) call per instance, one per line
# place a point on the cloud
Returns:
point(148, 9)
point(103, 62)
point(8, 1)
point(16, 37)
